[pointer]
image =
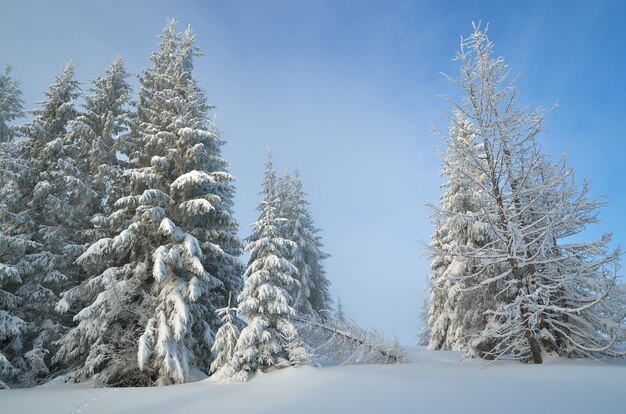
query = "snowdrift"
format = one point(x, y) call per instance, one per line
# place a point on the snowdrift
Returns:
point(432, 382)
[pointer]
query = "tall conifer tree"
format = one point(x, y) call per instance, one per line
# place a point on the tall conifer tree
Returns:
point(265, 300)
point(40, 219)
point(159, 281)
point(456, 314)
point(553, 295)
point(311, 295)
point(12, 327)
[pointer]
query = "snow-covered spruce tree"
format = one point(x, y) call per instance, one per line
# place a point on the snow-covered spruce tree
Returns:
point(41, 218)
point(94, 174)
point(11, 104)
point(225, 340)
point(314, 256)
point(310, 295)
point(339, 315)
point(11, 166)
point(560, 296)
point(424, 334)
point(264, 302)
point(458, 300)
point(87, 171)
point(12, 327)
point(99, 129)
point(158, 282)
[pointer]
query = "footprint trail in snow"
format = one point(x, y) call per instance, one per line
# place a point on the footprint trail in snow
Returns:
point(81, 407)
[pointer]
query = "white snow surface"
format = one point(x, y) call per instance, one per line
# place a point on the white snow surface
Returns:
point(432, 382)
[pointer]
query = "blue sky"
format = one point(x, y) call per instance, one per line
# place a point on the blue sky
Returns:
point(347, 92)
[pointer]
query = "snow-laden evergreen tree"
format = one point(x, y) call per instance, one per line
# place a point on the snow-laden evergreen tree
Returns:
point(424, 334)
point(456, 313)
point(99, 129)
point(265, 301)
point(11, 166)
point(556, 295)
point(40, 216)
point(11, 104)
point(225, 340)
point(340, 315)
point(157, 283)
point(11, 325)
point(94, 175)
point(311, 295)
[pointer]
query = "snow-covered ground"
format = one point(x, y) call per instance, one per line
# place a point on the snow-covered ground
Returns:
point(432, 382)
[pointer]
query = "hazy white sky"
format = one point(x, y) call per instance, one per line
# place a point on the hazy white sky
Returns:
point(346, 91)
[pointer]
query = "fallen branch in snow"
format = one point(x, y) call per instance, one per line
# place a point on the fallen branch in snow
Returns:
point(344, 342)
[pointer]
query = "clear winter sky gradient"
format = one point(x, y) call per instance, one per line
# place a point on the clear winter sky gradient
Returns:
point(347, 92)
